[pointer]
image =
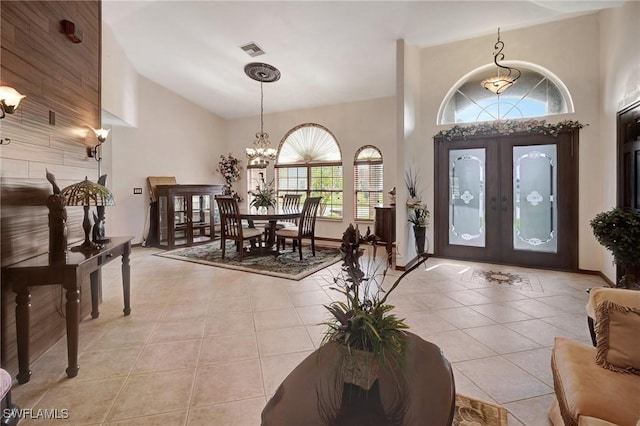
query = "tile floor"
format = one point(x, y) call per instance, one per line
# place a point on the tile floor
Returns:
point(208, 346)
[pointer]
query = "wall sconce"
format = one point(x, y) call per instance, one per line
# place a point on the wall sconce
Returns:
point(9, 100)
point(101, 135)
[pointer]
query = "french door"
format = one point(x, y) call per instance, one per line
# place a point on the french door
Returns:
point(508, 199)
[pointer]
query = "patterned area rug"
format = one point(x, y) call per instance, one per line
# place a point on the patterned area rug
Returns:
point(286, 265)
point(474, 412)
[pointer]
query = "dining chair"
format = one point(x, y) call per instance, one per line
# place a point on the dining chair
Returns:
point(306, 226)
point(290, 204)
point(231, 225)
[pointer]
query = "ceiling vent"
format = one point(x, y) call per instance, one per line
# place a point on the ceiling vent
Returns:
point(252, 49)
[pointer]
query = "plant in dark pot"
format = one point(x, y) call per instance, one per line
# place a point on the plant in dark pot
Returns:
point(370, 334)
point(418, 213)
point(618, 230)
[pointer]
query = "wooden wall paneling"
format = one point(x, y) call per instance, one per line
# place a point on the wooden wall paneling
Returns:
point(63, 77)
point(26, 152)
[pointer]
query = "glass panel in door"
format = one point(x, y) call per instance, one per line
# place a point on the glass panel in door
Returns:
point(467, 197)
point(535, 211)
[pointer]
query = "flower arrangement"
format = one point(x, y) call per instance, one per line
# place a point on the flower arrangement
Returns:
point(418, 212)
point(264, 195)
point(364, 321)
point(506, 127)
point(229, 167)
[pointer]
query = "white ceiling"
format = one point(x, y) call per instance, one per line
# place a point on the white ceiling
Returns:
point(328, 52)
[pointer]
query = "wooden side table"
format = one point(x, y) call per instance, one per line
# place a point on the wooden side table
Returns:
point(70, 274)
point(385, 228)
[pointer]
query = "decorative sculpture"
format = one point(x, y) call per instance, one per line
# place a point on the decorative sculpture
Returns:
point(57, 222)
point(97, 233)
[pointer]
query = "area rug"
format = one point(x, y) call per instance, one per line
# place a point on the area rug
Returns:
point(474, 412)
point(286, 265)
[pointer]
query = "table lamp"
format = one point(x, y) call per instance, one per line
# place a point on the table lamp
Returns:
point(87, 194)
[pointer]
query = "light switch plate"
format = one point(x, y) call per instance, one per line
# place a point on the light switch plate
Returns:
point(137, 191)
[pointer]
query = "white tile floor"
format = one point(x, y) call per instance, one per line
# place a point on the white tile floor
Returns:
point(209, 346)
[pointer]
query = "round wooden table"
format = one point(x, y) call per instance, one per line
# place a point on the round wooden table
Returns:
point(272, 218)
point(314, 394)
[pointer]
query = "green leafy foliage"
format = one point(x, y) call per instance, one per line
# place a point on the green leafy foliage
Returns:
point(618, 231)
point(364, 320)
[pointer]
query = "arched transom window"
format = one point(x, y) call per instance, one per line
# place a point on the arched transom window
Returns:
point(537, 93)
point(310, 163)
point(368, 182)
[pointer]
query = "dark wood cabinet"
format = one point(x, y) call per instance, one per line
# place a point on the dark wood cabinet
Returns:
point(185, 215)
point(385, 228)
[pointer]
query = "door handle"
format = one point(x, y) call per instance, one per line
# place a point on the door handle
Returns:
point(493, 203)
point(503, 204)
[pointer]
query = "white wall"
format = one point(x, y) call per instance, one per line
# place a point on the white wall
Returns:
point(155, 132)
point(353, 124)
point(570, 50)
point(620, 84)
point(409, 145)
point(119, 80)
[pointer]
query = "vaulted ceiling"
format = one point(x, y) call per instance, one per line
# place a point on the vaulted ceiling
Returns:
point(328, 52)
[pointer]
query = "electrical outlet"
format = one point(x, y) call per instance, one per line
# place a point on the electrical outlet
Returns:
point(137, 191)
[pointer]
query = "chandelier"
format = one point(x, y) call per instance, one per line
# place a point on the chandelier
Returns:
point(261, 153)
point(501, 82)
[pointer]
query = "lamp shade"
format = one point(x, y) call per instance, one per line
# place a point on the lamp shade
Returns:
point(102, 134)
point(10, 97)
point(87, 193)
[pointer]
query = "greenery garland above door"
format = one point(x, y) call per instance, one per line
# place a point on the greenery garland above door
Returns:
point(507, 127)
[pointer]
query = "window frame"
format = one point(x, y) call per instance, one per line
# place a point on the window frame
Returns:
point(334, 194)
point(379, 194)
point(444, 111)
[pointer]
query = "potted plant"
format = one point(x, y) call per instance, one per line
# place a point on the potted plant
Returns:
point(371, 336)
point(418, 213)
point(618, 230)
point(264, 196)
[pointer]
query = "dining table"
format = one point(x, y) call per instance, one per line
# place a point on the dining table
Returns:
point(271, 217)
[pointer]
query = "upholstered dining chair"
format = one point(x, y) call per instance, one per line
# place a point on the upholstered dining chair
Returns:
point(231, 225)
point(306, 226)
point(290, 204)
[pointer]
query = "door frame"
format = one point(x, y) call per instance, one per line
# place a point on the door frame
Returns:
point(567, 153)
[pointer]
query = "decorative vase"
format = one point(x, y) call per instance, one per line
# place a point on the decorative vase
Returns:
point(359, 367)
point(420, 233)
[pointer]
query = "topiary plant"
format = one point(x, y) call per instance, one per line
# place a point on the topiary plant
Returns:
point(618, 230)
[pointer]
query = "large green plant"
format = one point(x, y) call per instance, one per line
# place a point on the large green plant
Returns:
point(364, 320)
point(618, 231)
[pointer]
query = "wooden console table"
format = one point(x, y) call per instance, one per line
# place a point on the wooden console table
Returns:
point(69, 274)
point(385, 228)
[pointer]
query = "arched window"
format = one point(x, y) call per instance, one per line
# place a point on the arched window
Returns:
point(310, 163)
point(537, 93)
point(368, 182)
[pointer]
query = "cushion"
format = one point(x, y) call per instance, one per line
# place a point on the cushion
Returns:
point(617, 334)
point(289, 232)
point(585, 389)
point(620, 296)
point(5, 383)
